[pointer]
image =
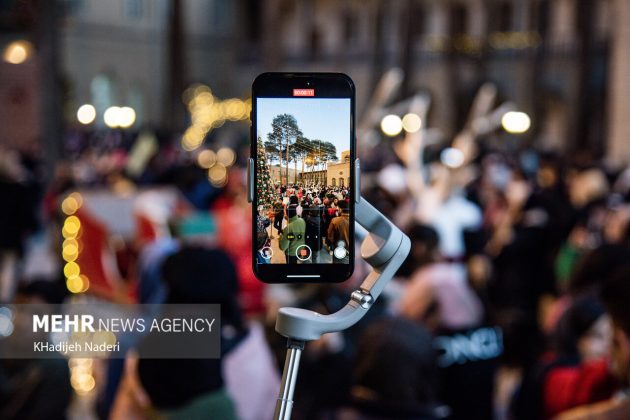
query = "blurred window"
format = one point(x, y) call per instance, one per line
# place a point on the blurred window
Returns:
point(350, 27)
point(341, 182)
point(133, 9)
point(73, 7)
point(135, 99)
point(459, 18)
point(102, 89)
point(334, 182)
point(418, 20)
point(253, 13)
point(541, 17)
point(505, 17)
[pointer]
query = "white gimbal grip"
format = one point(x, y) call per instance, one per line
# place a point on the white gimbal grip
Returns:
point(384, 248)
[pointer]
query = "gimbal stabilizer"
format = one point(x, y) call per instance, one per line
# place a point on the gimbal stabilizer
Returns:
point(384, 249)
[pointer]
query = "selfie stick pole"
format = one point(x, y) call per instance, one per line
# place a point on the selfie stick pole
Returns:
point(384, 249)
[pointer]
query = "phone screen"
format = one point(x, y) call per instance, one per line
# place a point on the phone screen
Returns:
point(303, 180)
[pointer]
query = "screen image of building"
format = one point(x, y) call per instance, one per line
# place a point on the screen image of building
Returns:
point(278, 174)
point(336, 173)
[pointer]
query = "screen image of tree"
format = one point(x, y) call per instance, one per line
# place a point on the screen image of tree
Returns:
point(303, 180)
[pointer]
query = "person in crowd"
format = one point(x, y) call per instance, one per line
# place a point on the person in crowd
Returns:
point(575, 371)
point(278, 216)
point(395, 375)
point(32, 389)
point(339, 232)
point(18, 217)
point(293, 236)
point(262, 236)
point(615, 295)
point(239, 385)
point(314, 237)
point(579, 374)
point(438, 296)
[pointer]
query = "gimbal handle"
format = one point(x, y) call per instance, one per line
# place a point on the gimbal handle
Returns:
point(385, 248)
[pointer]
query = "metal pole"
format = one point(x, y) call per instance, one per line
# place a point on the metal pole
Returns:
point(284, 404)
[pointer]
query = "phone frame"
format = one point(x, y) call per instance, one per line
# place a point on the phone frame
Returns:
point(326, 85)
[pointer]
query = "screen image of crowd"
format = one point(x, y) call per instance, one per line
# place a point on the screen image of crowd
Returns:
point(303, 212)
point(305, 225)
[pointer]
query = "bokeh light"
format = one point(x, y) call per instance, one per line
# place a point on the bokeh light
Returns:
point(86, 114)
point(226, 156)
point(208, 112)
point(515, 122)
point(71, 203)
point(17, 52)
point(391, 125)
point(116, 116)
point(70, 252)
point(72, 225)
point(71, 270)
point(75, 284)
point(6, 322)
point(81, 377)
point(206, 158)
point(411, 123)
point(111, 116)
point(452, 157)
point(126, 117)
point(217, 175)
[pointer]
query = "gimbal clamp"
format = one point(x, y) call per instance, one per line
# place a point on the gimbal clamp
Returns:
point(384, 249)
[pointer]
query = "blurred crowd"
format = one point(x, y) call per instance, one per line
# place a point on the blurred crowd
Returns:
point(513, 303)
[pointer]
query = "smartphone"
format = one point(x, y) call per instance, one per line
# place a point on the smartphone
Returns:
point(302, 177)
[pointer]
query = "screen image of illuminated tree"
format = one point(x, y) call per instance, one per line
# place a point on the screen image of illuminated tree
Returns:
point(264, 188)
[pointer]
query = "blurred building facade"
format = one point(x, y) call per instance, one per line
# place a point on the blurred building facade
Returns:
point(119, 52)
point(550, 57)
point(562, 61)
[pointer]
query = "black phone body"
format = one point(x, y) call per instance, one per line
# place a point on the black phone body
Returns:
point(303, 151)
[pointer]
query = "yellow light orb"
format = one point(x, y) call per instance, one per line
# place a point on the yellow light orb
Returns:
point(69, 205)
point(207, 158)
point(67, 234)
point(411, 123)
point(78, 197)
point(86, 114)
point(82, 383)
point(75, 284)
point(17, 52)
point(72, 225)
point(70, 242)
point(218, 175)
point(70, 253)
point(71, 270)
point(226, 156)
point(391, 125)
point(86, 283)
point(516, 122)
point(193, 137)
